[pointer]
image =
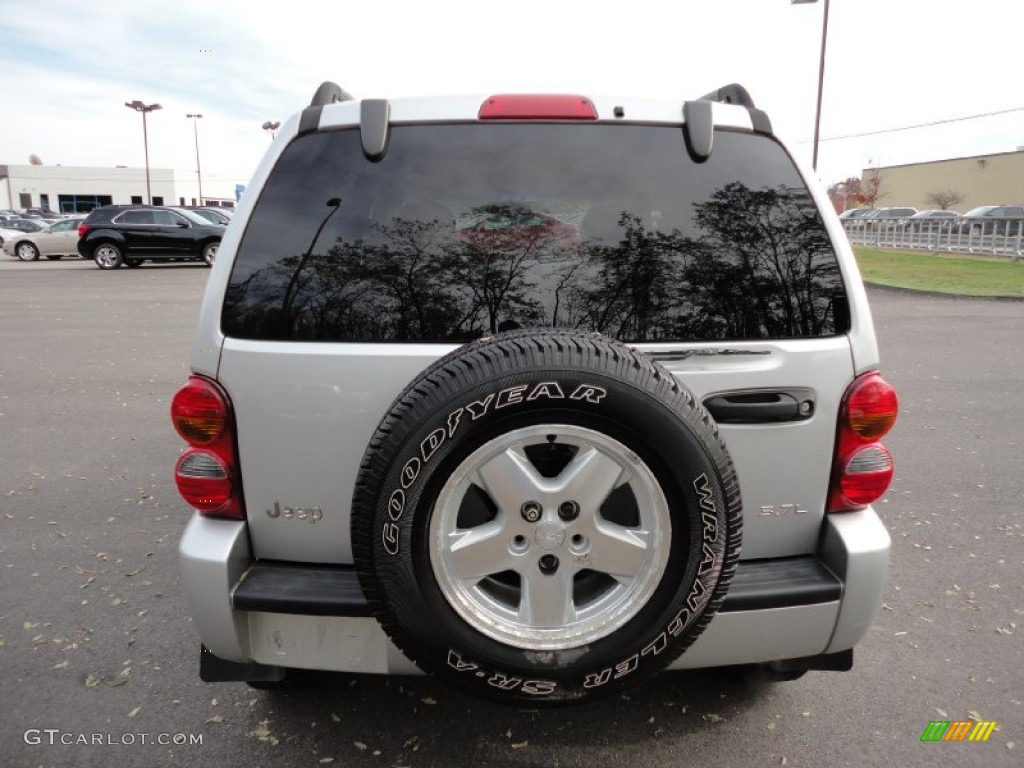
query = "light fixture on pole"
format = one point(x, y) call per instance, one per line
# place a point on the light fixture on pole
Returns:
point(199, 172)
point(138, 106)
point(271, 128)
point(821, 77)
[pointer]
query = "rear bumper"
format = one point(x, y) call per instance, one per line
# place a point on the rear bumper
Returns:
point(315, 616)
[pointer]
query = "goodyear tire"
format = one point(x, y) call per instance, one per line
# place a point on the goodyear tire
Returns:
point(544, 517)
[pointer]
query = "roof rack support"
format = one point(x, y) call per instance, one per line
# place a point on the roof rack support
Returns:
point(698, 129)
point(374, 127)
point(329, 93)
point(734, 93)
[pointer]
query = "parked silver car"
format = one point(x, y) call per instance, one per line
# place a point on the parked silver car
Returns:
point(57, 240)
point(534, 398)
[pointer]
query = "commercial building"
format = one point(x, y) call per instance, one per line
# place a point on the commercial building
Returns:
point(996, 179)
point(77, 189)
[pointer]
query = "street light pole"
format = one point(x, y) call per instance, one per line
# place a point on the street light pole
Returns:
point(138, 106)
point(821, 78)
point(199, 172)
point(271, 128)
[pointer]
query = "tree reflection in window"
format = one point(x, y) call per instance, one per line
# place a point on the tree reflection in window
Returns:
point(742, 264)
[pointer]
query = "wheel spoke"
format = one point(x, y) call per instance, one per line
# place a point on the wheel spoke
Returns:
point(510, 479)
point(480, 551)
point(618, 551)
point(589, 479)
point(547, 599)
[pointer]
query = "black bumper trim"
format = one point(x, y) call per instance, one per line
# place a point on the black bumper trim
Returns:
point(781, 583)
point(333, 590)
point(303, 588)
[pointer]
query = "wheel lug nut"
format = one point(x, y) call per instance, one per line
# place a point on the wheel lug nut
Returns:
point(568, 510)
point(548, 564)
point(531, 511)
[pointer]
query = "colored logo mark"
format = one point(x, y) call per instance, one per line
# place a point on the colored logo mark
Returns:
point(958, 730)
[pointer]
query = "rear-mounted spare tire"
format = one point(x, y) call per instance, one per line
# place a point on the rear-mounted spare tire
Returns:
point(545, 516)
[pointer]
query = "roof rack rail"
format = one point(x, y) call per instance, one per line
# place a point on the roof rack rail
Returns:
point(329, 93)
point(734, 93)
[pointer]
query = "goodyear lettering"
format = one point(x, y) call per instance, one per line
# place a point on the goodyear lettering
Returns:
point(453, 421)
point(396, 505)
point(510, 396)
point(589, 393)
point(479, 408)
point(549, 389)
point(431, 443)
point(410, 472)
point(389, 537)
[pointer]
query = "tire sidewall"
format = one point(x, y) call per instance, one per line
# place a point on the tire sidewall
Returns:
point(419, 462)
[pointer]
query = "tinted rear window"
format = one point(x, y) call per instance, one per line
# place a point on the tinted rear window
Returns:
point(465, 230)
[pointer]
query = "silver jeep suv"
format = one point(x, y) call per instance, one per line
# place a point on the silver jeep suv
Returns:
point(539, 394)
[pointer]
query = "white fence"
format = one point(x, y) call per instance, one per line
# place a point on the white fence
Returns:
point(997, 237)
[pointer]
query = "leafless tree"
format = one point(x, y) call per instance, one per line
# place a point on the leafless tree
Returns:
point(944, 199)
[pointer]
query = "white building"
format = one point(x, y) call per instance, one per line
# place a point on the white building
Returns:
point(77, 189)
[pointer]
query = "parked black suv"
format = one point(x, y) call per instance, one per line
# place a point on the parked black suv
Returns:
point(130, 234)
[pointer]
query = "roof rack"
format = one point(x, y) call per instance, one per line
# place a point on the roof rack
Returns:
point(734, 93)
point(329, 93)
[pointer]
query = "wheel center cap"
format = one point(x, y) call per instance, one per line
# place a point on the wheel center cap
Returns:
point(549, 535)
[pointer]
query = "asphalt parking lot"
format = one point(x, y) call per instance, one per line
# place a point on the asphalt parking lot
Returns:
point(95, 639)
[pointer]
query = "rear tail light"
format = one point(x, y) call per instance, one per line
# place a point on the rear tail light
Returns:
point(82, 229)
point(863, 468)
point(207, 472)
point(537, 106)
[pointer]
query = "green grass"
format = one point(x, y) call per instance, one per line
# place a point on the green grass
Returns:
point(965, 275)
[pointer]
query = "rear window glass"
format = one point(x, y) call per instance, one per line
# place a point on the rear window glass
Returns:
point(465, 230)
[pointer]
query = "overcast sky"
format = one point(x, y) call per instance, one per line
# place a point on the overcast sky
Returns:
point(66, 69)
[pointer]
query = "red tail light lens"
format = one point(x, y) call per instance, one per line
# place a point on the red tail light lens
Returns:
point(863, 468)
point(82, 229)
point(538, 106)
point(871, 407)
point(199, 412)
point(207, 473)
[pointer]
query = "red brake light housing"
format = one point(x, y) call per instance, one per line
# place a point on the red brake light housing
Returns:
point(862, 468)
point(82, 229)
point(207, 473)
point(537, 106)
